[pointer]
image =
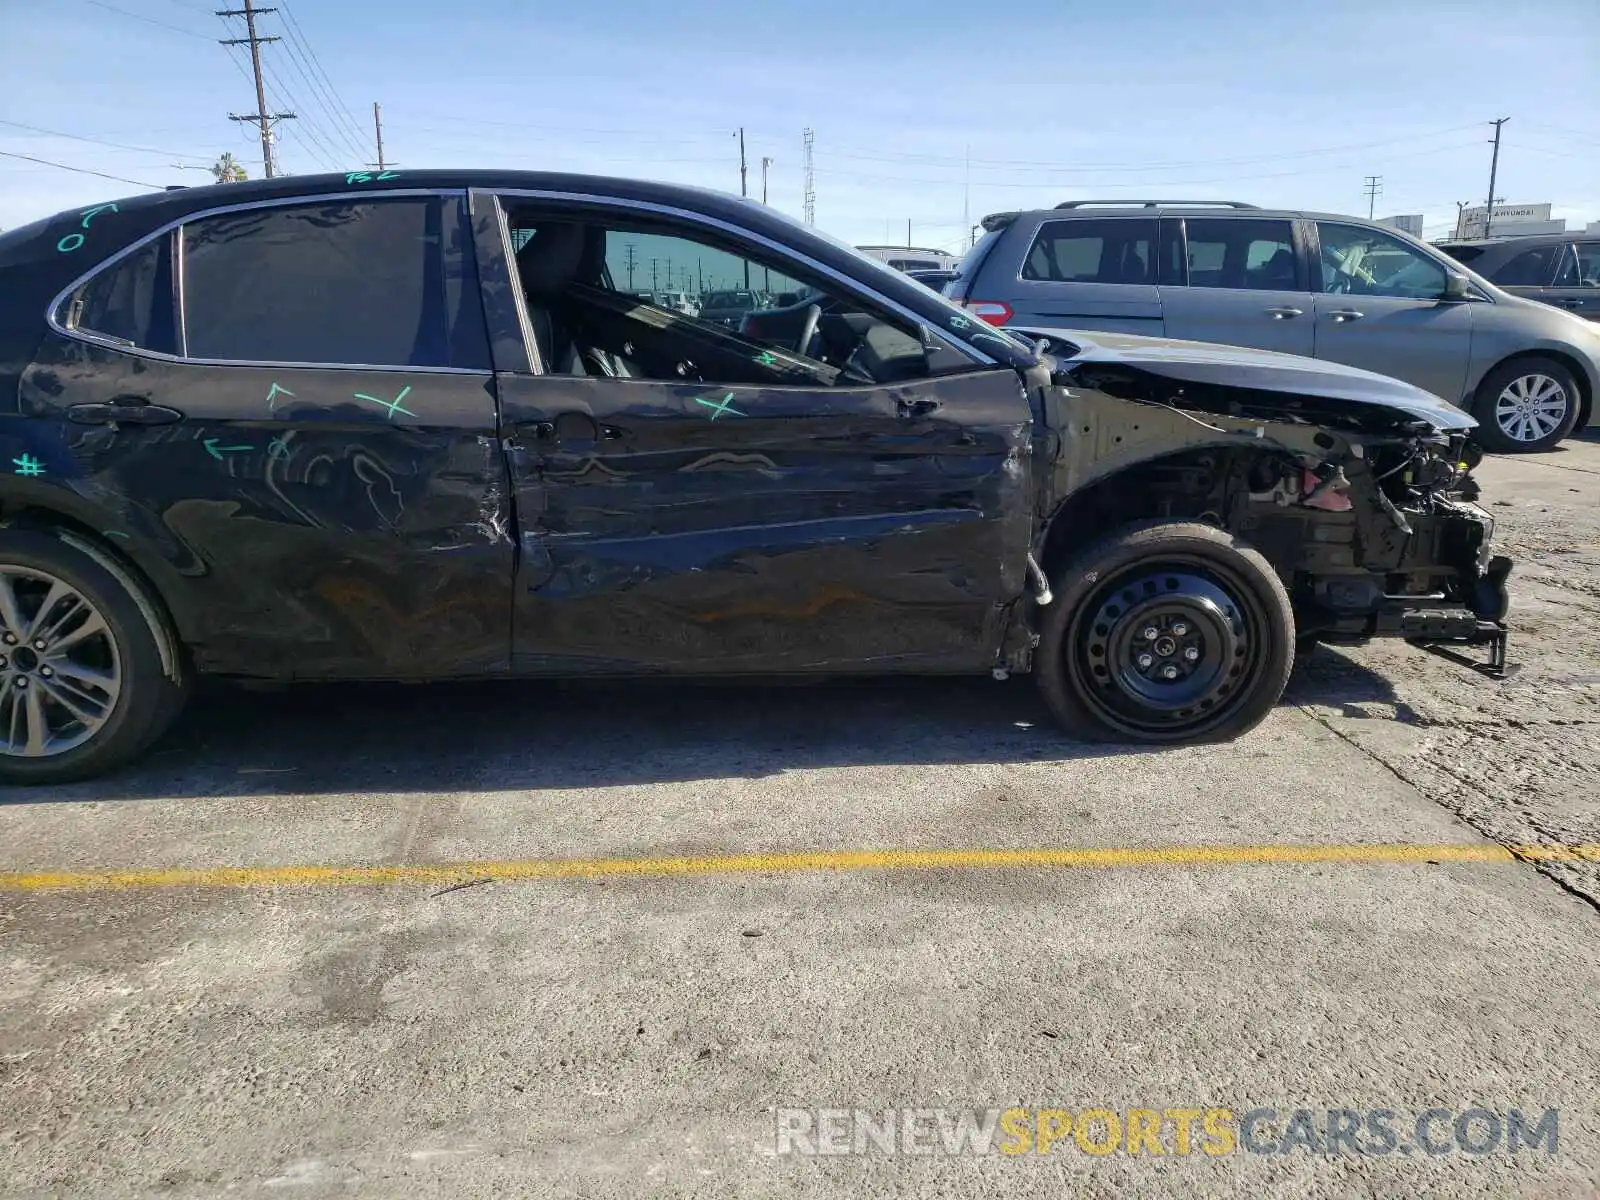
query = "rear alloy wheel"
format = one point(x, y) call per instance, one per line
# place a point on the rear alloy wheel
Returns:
point(1166, 632)
point(82, 687)
point(1529, 404)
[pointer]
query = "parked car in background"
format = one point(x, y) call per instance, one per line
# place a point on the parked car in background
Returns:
point(1331, 287)
point(676, 301)
point(249, 435)
point(1562, 269)
point(911, 258)
point(728, 308)
point(934, 280)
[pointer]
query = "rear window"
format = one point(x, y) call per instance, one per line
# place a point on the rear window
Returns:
point(1101, 251)
point(1463, 254)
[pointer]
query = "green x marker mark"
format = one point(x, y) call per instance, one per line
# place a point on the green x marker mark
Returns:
point(767, 358)
point(725, 405)
point(393, 406)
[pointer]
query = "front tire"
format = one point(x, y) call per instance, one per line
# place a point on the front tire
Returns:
point(81, 683)
point(1526, 405)
point(1166, 632)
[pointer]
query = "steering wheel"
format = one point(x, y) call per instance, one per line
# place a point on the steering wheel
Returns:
point(809, 329)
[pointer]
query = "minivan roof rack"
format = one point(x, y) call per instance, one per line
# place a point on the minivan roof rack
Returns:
point(1159, 203)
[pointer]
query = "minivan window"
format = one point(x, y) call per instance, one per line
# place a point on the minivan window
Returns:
point(1098, 251)
point(1588, 264)
point(1364, 262)
point(1241, 252)
point(1531, 268)
point(131, 300)
point(380, 282)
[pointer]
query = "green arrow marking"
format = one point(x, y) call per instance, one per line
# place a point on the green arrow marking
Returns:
point(273, 393)
point(217, 451)
point(90, 214)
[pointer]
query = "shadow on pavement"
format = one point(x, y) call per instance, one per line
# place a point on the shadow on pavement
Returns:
point(543, 734)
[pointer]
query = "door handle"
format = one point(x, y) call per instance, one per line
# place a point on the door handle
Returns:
point(916, 408)
point(1346, 314)
point(1283, 313)
point(123, 414)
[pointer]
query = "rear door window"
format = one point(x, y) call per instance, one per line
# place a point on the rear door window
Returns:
point(1093, 251)
point(131, 300)
point(380, 283)
point(1531, 268)
point(1250, 253)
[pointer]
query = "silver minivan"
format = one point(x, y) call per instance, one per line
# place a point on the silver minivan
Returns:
point(1313, 284)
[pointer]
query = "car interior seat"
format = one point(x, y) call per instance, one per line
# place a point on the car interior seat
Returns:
point(1277, 274)
point(554, 258)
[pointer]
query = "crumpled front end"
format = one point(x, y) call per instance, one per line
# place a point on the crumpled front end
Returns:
point(1398, 546)
point(1364, 504)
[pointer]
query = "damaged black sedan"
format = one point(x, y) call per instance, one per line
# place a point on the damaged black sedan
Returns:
point(428, 425)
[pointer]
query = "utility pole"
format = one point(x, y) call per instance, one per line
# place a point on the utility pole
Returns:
point(1494, 166)
point(261, 117)
point(655, 284)
point(631, 260)
point(765, 163)
point(966, 188)
point(1374, 189)
point(908, 233)
point(809, 198)
point(743, 190)
point(377, 130)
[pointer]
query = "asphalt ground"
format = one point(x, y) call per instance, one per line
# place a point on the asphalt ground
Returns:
point(590, 940)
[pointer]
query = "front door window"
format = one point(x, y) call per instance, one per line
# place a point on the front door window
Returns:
point(618, 299)
point(1356, 261)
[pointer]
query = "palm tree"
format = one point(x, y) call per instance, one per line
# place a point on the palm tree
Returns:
point(227, 170)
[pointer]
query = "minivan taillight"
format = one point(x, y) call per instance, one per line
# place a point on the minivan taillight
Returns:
point(995, 312)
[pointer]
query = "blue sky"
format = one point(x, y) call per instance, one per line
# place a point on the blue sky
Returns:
point(1278, 103)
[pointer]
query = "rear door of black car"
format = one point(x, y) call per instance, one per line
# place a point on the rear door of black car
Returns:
point(698, 499)
point(291, 403)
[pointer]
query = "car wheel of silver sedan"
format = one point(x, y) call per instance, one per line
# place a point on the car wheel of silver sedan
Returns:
point(1527, 404)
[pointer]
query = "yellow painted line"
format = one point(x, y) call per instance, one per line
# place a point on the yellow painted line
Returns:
point(821, 860)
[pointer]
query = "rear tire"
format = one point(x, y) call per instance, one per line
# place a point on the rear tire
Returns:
point(1223, 645)
point(1526, 405)
point(82, 689)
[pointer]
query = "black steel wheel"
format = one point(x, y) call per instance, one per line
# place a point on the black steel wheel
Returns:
point(1166, 632)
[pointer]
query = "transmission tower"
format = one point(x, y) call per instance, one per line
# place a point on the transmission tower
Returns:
point(261, 118)
point(807, 138)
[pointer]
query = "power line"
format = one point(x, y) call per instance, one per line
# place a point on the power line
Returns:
point(1145, 165)
point(81, 170)
point(297, 35)
point(147, 20)
point(304, 61)
point(1116, 185)
point(306, 132)
point(78, 137)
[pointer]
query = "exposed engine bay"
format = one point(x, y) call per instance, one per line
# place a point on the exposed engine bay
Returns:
point(1366, 509)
